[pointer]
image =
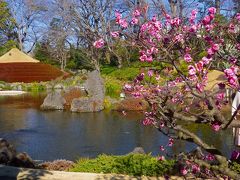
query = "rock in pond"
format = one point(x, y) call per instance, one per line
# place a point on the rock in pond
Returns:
point(73, 93)
point(53, 101)
point(138, 150)
point(9, 156)
point(94, 85)
point(131, 104)
point(87, 104)
point(7, 152)
point(95, 89)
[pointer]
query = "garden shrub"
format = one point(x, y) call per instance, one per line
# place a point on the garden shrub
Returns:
point(113, 86)
point(125, 74)
point(235, 167)
point(131, 164)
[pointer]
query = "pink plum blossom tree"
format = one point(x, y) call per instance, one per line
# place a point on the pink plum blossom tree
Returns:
point(202, 46)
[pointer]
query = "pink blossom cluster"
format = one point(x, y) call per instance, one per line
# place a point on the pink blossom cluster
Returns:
point(149, 119)
point(119, 20)
point(190, 167)
point(216, 126)
point(193, 16)
point(207, 19)
point(209, 157)
point(231, 76)
point(99, 43)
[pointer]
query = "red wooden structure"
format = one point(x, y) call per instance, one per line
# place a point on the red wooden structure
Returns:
point(28, 72)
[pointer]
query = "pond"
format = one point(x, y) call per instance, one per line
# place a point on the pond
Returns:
point(49, 135)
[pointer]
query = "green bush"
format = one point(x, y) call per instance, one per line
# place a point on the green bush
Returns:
point(235, 167)
point(113, 86)
point(125, 74)
point(131, 164)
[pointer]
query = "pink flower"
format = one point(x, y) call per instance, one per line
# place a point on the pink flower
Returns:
point(209, 27)
point(150, 73)
point(179, 38)
point(195, 168)
point(162, 148)
point(232, 78)
point(143, 57)
point(99, 43)
point(210, 157)
point(212, 10)
point(206, 20)
point(231, 28)
point(175, 22)
point(147, 121)
point(220, 96)
point(161, 158)
point(118, 17)
point(187, 58)
point(184, 171)
point(206, 60)
point(161, 125)
point(115, 34)
point(134, 21)
point(124, 113)
point(191, 70)
point(136, 13)
point(200, 87)
point(215, 47)
point(128, 87)
point(123, 23)
point(193, 29)
point(170, 142)
point(199, 66)
point(149, 59)
point(194, 12)
point(187, 109)
point(216, 127)
point(210, 52)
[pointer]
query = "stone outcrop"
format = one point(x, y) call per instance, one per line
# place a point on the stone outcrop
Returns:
point(95, 89)
point(138, 150)
point(87, 104)
point(131, 104)
point(53, 101)
point(9, 156)
point(73, 93)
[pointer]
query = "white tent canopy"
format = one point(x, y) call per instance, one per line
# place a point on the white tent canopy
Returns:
point(16, 56)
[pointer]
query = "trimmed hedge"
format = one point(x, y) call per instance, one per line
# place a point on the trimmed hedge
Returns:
point(131, 164)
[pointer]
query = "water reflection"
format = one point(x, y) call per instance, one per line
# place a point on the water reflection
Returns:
point(56, 134)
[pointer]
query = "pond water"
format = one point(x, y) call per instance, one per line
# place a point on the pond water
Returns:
point(64, 135)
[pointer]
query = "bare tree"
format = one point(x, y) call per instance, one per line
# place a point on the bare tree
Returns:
point(27, 15)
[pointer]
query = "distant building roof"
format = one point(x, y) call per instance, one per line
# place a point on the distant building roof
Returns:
point(15, 56)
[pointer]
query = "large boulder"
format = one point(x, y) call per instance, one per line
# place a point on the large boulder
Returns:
point(9, 156)
point(138, 150)
point(7, 152)
point(73, 93)
point(94, 86)
point(87, 104)
point(53, 101)
point(131, 104)
point(22, 160)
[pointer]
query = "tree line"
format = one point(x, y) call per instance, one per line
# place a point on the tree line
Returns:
point(62, 32)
